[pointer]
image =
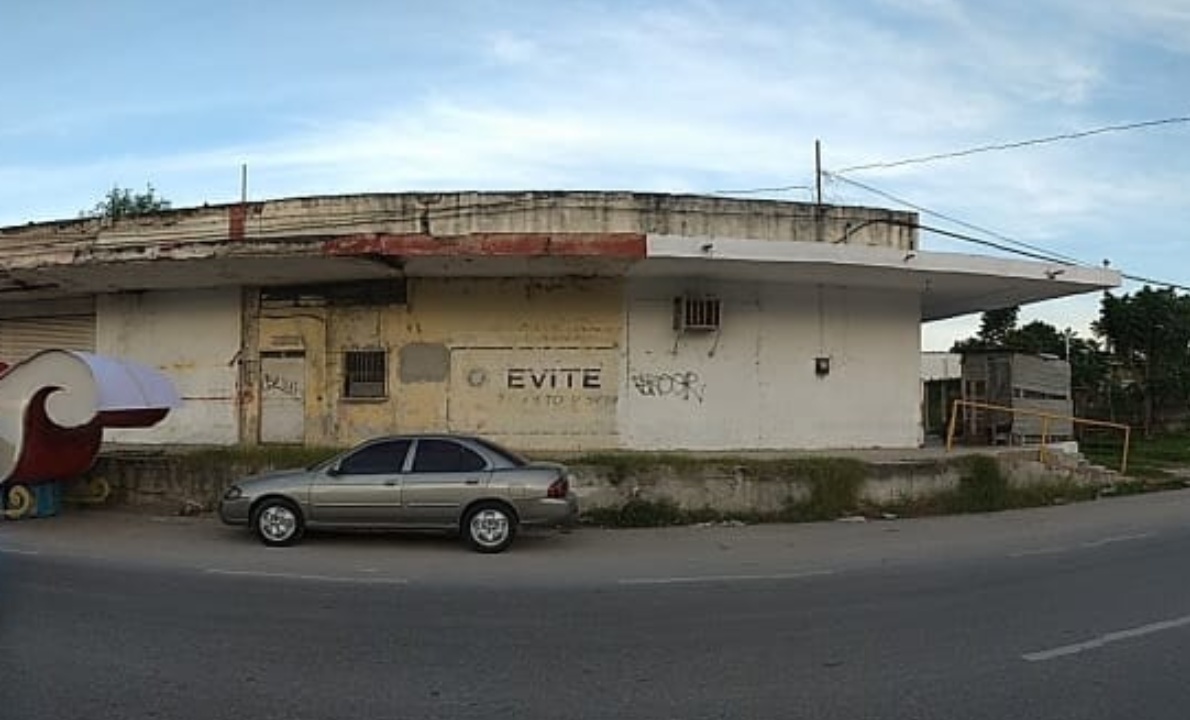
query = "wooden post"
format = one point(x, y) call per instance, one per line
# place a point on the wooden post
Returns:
point(954, 413)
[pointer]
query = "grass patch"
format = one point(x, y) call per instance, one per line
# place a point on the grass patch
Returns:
point(830, 488)
point(638, 513)
point(833, 484)
point(1158, 457)
point(982, 487)
point(621, 467)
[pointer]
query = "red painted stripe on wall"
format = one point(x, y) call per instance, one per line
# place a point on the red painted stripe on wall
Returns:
point(237, 221)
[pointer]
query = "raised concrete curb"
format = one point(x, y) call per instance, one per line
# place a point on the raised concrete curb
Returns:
point(184, 482)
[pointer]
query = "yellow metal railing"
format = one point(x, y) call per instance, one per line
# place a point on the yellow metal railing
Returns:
point(1045, 421)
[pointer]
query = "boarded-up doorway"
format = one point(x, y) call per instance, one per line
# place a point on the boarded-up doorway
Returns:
point(283, 397)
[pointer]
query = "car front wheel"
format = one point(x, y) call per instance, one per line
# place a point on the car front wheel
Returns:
point(490, 527)
point(278, 522)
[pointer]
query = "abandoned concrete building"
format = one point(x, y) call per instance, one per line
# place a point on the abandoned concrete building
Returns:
point(544, 320)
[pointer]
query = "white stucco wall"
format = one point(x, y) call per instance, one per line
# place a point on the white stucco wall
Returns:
point(193, 337)
point(754, 385)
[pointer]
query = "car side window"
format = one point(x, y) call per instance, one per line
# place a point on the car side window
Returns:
point(442, 456)
point(376, 459)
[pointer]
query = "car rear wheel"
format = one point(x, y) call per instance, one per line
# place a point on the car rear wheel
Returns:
point(490, 527)
point(278, 522)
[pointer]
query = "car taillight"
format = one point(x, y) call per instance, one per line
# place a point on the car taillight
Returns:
point(558, 488)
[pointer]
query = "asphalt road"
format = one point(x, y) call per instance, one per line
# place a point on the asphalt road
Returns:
point(1072, 612)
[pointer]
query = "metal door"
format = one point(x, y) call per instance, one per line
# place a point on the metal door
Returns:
point(283, 397)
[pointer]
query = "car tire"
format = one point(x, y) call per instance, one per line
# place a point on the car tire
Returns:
point(489, 527)
point(278, 522)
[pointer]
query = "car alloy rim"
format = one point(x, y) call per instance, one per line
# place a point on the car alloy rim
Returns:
point(489, 527)
point(277, 522)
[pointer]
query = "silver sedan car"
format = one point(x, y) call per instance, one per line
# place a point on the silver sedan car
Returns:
point(449, 483)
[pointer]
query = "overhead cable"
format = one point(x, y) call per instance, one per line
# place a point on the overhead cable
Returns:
point(1048, 254)
point(1018, 144)
point(1033, 251)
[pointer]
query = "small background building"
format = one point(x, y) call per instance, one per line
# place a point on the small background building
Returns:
point(1036, 383)
point(942, 384)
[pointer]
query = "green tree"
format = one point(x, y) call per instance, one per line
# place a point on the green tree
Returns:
point(123, 202)
point(1148, 336)
point(997, 326)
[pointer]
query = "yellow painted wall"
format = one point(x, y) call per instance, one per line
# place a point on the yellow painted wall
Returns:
point(534, 363)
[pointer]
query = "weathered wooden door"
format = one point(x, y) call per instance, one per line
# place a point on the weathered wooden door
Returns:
point(283, 397)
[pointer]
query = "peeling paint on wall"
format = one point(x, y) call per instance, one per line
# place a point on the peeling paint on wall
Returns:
point(538, 391)
point(554, 372)
point(424, 363)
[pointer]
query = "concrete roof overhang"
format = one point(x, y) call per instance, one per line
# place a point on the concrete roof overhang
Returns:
point(950, 284)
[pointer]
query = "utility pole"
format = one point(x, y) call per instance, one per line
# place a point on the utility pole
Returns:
point(819, 225)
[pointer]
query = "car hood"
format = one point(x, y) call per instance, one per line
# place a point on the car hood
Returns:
point(293, 477)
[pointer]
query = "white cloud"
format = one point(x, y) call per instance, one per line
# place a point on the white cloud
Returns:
point(699, 96)
point(512, 49)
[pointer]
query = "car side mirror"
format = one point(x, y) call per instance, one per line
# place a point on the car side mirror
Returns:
point(334, 470)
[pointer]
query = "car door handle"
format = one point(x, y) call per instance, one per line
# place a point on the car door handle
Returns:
point(390, 483)
point(471, 481)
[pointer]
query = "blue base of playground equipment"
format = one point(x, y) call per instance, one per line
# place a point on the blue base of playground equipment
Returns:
point(47, 497)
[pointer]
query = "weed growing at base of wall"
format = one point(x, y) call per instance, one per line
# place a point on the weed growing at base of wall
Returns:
point(982, 487)
point(834, 485)
point(831, 490)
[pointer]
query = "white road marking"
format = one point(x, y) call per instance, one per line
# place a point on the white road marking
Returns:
point(14, 551)
point(1055, 550)
point(1102, 640)
point(722, 578)
point(1117, 539)
point(309, 578)
point(1088, 545)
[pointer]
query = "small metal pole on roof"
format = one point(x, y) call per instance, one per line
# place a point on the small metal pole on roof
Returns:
point(818, 172)
point(244, 183)
point(819, 226)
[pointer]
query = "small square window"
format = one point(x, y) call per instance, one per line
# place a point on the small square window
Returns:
point(365, 374)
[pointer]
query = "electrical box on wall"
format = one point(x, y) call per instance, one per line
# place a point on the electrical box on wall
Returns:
point(694, 313)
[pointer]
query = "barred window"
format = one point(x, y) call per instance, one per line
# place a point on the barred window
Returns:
point(365, 373)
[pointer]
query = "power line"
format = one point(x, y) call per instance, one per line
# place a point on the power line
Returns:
point(1044, 252)
point(1151, 281)
point(1018, 144)
point(1033, 251)
point(997, 246)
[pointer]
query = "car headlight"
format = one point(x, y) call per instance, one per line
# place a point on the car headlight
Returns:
point(233, 493)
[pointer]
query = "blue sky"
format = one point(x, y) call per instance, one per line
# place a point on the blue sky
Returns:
point(679, 96)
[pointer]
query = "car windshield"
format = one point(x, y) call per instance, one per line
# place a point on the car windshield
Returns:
point(324, 464)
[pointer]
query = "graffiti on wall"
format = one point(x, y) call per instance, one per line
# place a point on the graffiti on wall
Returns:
point(279, 384)
point(681, 385)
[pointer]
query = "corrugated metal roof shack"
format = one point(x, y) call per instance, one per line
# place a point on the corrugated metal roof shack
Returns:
point(1021, 382)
